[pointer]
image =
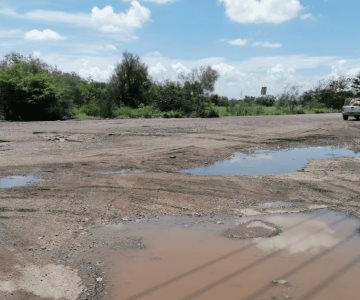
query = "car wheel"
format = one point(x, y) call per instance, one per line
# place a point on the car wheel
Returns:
point(357, 118)
point(345, 117)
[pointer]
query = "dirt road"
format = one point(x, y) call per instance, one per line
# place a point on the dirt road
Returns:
point(111, 171)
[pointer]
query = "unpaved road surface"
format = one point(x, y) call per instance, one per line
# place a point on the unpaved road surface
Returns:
point(117, 171)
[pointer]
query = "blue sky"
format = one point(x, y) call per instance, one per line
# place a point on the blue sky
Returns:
point(251, 43)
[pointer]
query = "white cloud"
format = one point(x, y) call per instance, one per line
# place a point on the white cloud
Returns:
point(238, 42)
point(237, 78)
point(96, 73)
point(267, 45)
point(78, 19)
point(160, 1)
point(245, 77)
point(105, 19)
point(262, 11)
point(107, 47)
point(244, 42)
point(43, 35)
point(11, 33)
point(109, 21)
point(307, 17)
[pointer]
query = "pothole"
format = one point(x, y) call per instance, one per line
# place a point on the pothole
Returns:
point(263, 162)
point(18, 181)
point(189, 258)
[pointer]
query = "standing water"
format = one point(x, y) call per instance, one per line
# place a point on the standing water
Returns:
point(312, 256)
point(17, 181)
point(263, 162)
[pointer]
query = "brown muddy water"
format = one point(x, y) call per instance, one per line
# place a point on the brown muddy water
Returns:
point(312, 256)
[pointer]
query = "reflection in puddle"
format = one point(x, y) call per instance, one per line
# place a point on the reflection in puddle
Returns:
point(187, 258)
point(18, 181)
point(312, 236)
point(263, 162)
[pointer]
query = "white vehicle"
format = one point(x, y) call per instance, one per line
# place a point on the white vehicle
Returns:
point(351, 108)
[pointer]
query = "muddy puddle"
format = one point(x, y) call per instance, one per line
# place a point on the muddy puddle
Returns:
point(18, 181)
point(309, 256)
point(263, 162)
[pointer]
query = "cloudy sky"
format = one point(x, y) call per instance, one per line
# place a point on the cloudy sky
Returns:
point(252, 43)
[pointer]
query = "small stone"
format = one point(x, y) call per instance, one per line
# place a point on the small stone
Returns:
point(280, 281)
point(99, 279)
point(173, 156)
point(126, 219)
point(219, 222)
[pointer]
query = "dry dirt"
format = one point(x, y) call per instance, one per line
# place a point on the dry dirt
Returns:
point(116, 171)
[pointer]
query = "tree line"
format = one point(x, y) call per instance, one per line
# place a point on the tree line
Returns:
point(31, 89)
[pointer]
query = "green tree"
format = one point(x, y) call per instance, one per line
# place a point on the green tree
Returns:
point(95, 99)
point(27, 96)
point(289, 97)
point(330, 94)
point(356, 84)
point(130, 82)
point(28, 90)
point(202, 80)
point(198, 85)
point(171, 96)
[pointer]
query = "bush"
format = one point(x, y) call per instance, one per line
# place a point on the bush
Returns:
point(173, 114)
point(209, 112)
point(28, 96)
point(299, 111)
point(142, 112)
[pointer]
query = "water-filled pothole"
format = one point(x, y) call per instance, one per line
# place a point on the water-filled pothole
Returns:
point(263, 162)
point(18, 181)
point(316, 256)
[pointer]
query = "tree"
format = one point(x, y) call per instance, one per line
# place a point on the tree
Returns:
point(198, 85)
point(265, 100)
point(28, 96)
point(29, 90)
point(289, 97)
point(130, 82)
point(201, 79)
point(330, 94)
point(356, 84)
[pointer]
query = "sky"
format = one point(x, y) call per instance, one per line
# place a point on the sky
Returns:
point(251, 43)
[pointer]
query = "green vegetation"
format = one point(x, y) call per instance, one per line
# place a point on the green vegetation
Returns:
point(33, 90)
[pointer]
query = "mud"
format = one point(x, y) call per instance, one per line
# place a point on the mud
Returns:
point(85, 187)
point(187, 259)
point(40, 281)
